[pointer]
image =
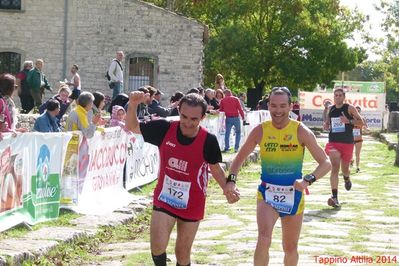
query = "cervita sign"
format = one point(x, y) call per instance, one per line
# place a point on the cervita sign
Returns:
point(367, 101)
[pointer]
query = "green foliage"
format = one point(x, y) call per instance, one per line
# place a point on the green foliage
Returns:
point(266, 43)
point(386, 68)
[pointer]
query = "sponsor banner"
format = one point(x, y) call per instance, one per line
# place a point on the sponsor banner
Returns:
point(254, 118)
point(314, 118)
point(215, 124)
point(30, 170)
point(13, 181)
point(372, 102)
point(143, 162)
point(101, 160)
point(70, 180)
point(360, 86)
point(46, 153)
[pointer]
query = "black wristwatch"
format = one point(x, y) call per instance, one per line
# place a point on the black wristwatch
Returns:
point(310, 178)
point(231, 178)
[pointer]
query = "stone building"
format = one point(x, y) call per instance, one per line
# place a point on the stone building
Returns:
point(162, 48)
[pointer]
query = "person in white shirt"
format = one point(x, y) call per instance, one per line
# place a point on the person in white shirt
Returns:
point(115, 71)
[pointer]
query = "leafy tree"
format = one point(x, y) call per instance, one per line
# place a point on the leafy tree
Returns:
point(387, 68)
point(265, 43)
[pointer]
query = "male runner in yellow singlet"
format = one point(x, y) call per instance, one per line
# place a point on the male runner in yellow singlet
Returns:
point(282, 142)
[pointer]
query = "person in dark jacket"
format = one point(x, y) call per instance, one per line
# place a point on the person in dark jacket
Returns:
point(37, 82)
point(48, 121)
point(63, 98)
point(121, 99)
point(157, 109)
point(23, 88)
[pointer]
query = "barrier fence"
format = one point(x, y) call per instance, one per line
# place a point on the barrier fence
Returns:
point(43, 172)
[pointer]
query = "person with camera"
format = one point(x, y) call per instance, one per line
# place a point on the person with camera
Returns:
point(115, 72)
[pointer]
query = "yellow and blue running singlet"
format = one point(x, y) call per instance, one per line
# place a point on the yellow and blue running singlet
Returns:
point(281, 160)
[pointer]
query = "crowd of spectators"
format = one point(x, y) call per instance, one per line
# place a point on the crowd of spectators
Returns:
point(72, 108)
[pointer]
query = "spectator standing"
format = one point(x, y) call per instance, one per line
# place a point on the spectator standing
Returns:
point(48, 121)
point(37, 82)
point(115, 71)
point(24, 94)
point(78, 119)
point(75, 83)
point(7, 82)
point(231, 106)
point(219, 83)
point(7, 93)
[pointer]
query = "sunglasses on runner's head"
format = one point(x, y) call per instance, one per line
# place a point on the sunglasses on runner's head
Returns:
point(284, 89)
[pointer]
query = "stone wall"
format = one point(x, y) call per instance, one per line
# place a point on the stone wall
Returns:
point(95, 29)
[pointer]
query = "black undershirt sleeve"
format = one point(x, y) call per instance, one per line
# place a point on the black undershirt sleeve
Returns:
point(212, 153)
point(155, 131)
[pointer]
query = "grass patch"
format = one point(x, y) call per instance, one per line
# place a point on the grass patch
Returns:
point(86, 249)
point(139, 259)
point(65, 219)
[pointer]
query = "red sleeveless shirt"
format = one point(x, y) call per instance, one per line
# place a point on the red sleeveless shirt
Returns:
point(183, 176)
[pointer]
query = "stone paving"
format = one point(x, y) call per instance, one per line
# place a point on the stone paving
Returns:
point(364, 230)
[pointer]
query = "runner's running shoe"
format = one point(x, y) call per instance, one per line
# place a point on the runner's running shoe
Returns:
point(357, 170)
point(348, 184)
point(333, 202)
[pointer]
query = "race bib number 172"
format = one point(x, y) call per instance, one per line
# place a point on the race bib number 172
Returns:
point(175, 193)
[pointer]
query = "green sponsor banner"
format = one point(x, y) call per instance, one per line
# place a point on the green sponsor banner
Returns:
point(361, 86)
point(30, 170)
point(44, 200)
